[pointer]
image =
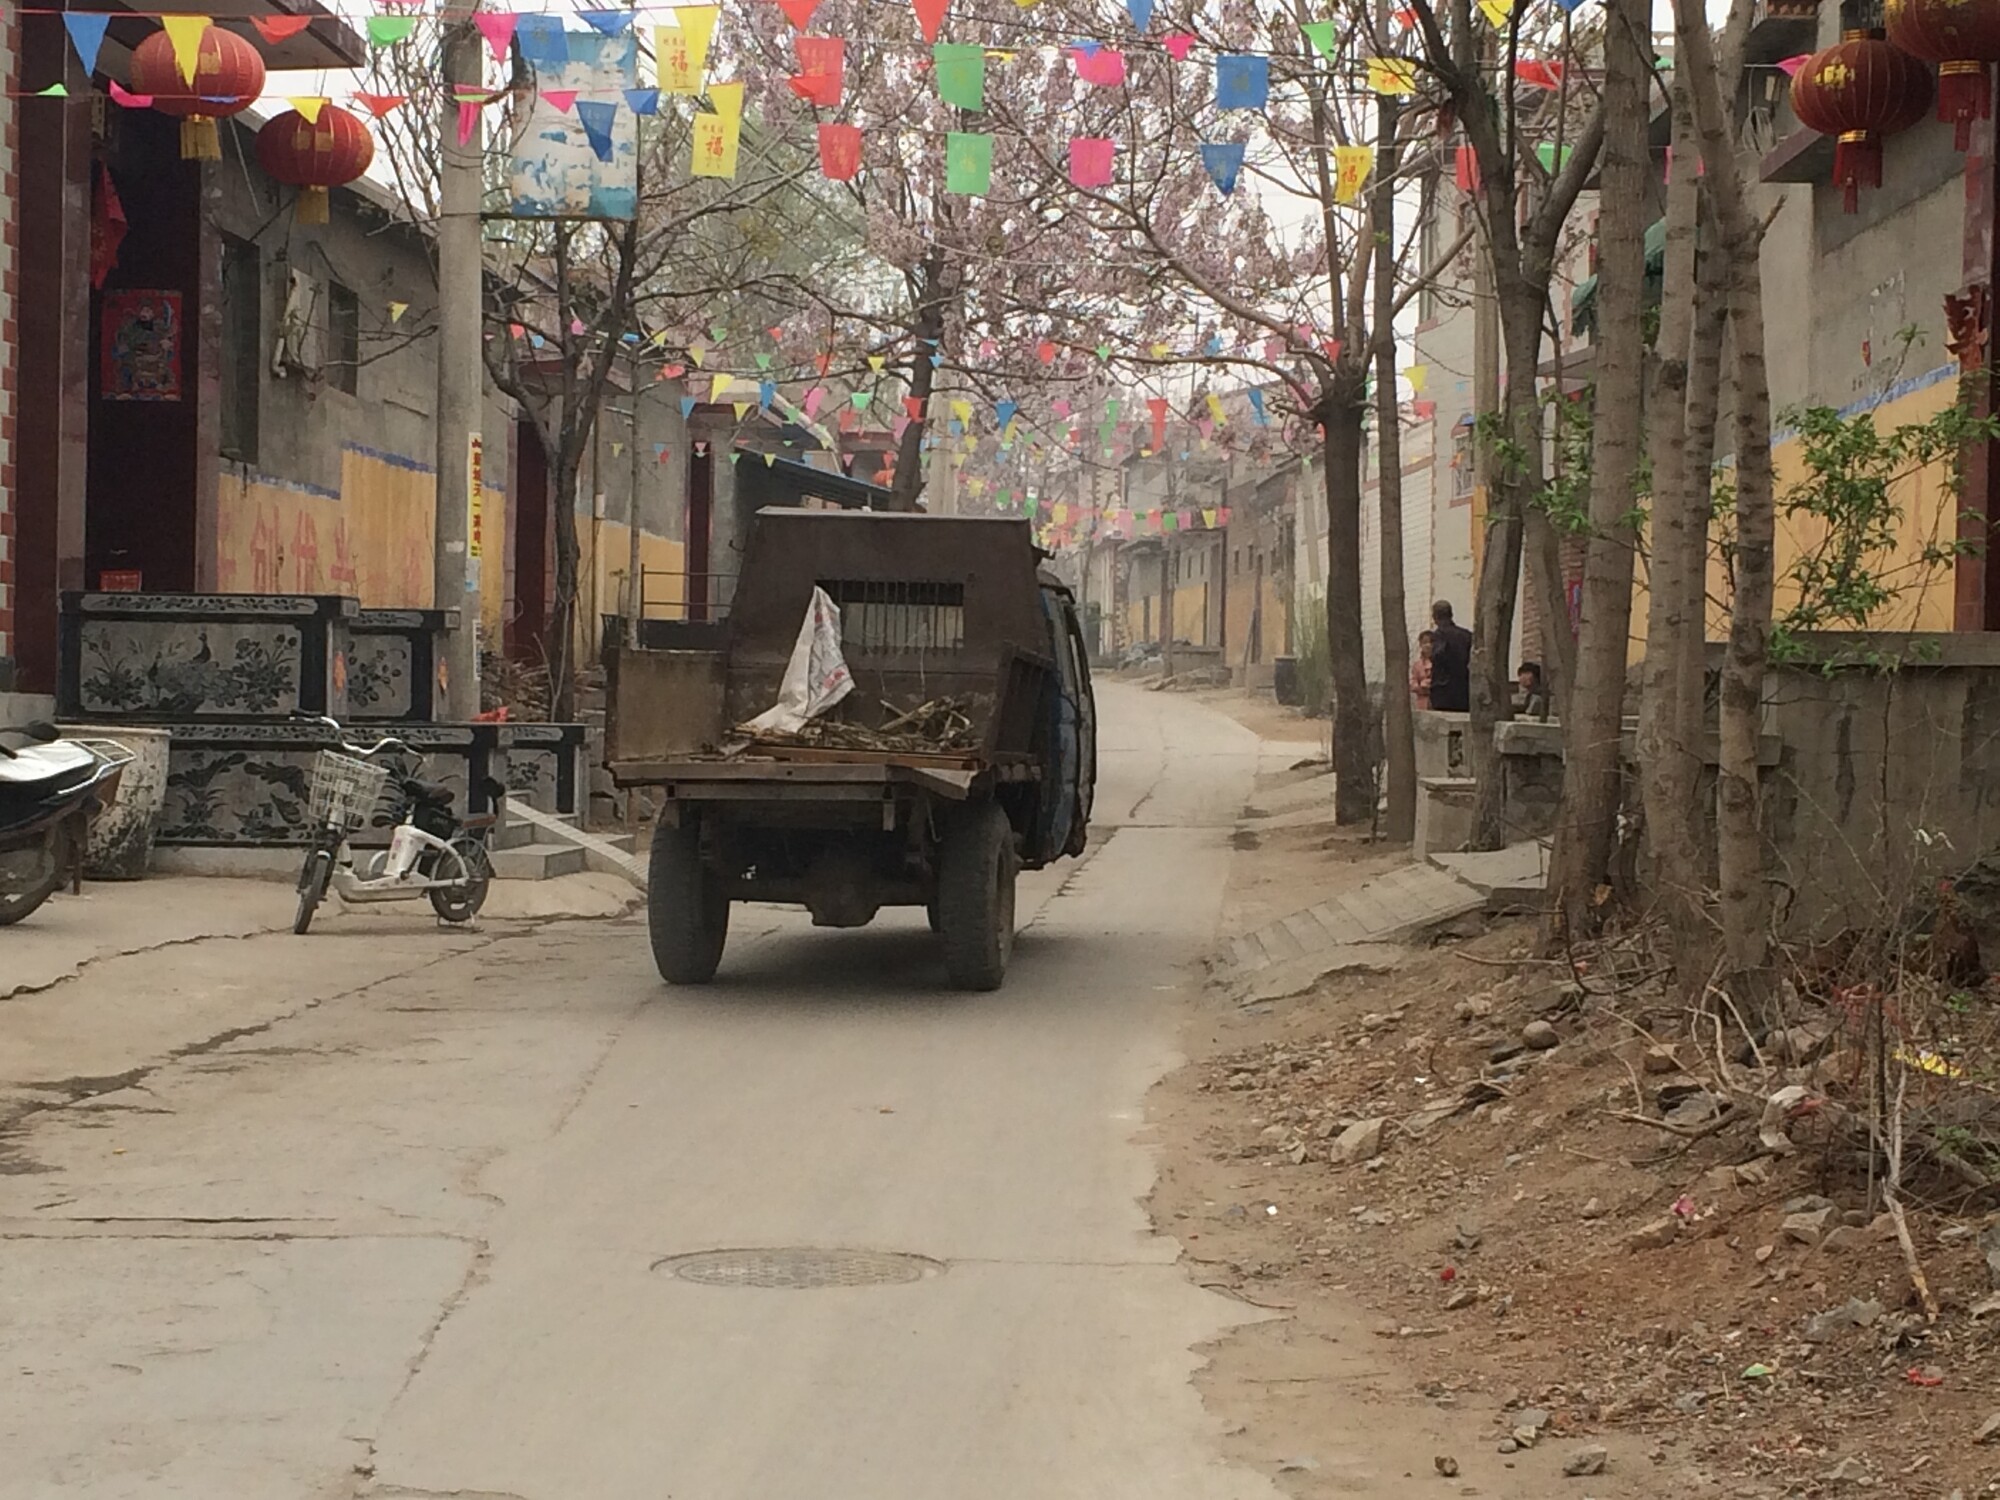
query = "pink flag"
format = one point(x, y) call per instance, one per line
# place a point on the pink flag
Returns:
point(129, 99)
point(1090, 160)
point(1060, 406)
point(799, 12)
point(1791, 65)
point(1157, 405)
point(812, 403)
point(1274, 349)
point(839, 159)
point(562, 99)
point(1178, 44)
point(1103, 66)
point(498, 29)
point(275, 29)
point(898, 427)
point(468, 121)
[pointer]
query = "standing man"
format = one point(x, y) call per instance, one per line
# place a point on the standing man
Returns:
point(1451, 662)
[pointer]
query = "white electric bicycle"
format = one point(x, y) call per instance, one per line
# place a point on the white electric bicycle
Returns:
point(432, 852)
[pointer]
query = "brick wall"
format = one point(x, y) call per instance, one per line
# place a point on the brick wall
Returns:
point(10, 197)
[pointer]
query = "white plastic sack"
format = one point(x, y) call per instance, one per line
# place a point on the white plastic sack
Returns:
point(816, 677)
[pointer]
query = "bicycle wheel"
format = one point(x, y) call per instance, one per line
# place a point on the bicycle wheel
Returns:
point(460, 901)
point(313, 877)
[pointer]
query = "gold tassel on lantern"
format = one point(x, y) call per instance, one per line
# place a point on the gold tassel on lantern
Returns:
point(313, 204)
point(200, 140)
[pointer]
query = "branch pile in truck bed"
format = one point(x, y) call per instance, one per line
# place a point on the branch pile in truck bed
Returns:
point(940, 724)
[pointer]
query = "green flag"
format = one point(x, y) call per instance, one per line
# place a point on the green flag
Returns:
point(386, 31)
point(968, 163)
point(1320, 34)
point(961, 74)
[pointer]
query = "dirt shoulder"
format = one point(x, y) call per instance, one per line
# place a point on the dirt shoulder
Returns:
point(1521, 1275)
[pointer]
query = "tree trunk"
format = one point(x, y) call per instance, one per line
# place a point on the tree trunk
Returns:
point(1587, 818)
point(1341, 413)
point(929, 329)
point(1670, 717)
point(1399, 748)
point(561, 640)
point(1541, 548)
point(1745, 899)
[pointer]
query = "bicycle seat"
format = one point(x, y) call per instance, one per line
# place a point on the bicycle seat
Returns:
point(433, 792)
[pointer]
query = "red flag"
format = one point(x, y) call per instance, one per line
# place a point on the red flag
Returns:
point(839, 159)
point(1540, 75)
point(379, 105)
point(822, 70)
point(799, 12)
point(930, 17)
point(275, 29)
point(914, 405)
point(825, 360)
point(1045, 351)
point(1466, 164)
point(1157, 405)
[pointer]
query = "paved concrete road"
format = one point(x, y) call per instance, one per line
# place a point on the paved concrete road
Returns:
point(387, 1218)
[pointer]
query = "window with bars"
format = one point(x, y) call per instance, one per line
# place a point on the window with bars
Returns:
point(899, 616)
point(343, 338)
point(240, 347)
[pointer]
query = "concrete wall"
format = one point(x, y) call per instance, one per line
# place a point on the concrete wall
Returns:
point(1886, 780)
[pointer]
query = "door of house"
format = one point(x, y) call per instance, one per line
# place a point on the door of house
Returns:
point(529, 547)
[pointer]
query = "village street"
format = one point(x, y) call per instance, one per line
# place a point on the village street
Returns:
point(389, 1210)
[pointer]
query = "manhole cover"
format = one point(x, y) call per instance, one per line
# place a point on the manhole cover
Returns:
point(799, 1268)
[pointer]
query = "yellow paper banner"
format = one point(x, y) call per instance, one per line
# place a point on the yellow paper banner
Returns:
point(1392, 75)
point(718, 387)
point(717, 136)
point(682, 49)
point(1351, 165)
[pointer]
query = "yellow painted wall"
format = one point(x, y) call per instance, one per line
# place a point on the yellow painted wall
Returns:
point(1929, 517)
point(373, 540)
point(1243, 603)
point(1191, 612)
point(606, 557)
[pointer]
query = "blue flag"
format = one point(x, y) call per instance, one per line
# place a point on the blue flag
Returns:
point(595, 117)
point(1141, 12)
point(1242, 81)
point(643, 101)
point(543, 41)
point(609, 22)
point(86, 34)
point(1005, 410)
point(1257, 406)
point(687, 407)
point(1224, 161)
point(767, 392)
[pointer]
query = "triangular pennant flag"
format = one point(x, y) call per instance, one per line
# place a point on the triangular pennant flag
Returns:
point(1178, 45)
point(1789, 66)
point(543, 40)
point(1257, 407)
point(1045, 351)
point(1545, 153)
point(1141, 12)
point(659, 453)
point(1351, 165)
point(968, 163)
point(386, 31)
point(763, 361)
point(822, 70)
point(1157, 405)
point(682, 50)
point(379, 105)
point(562, 99)
point(876, 362)
point(811, 404)
point(930, 17)
point(1224, 161)
point(497, 26)
point(1215, 407)
point(741, 408)
point(1321, 35)
point(276, 29)
point(468, 121)
point(1099, 65)
point(859, 400)
point(960, 68)
point(607, 22)
point(122, 95)
point(1242, 81)
point(597, 117)
point(767, 392)
point(396, 311)
point(1417, 375)
point(914, 405)
point(53, 91)
point(718, 387)
point(308, 108)
point(1003, 412)
point(86, 34)
point(770, 459)
point(799, 12)
point(839, 155)
point(643, 101)
point(1539, 74)
point(688, 404)
point(1496, 12)
point(184, 33)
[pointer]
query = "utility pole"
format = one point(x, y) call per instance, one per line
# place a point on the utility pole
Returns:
point(460, 374)
point(635, 575)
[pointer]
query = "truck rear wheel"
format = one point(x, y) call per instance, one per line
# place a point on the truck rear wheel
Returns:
point(975, 897)
point(687, 915)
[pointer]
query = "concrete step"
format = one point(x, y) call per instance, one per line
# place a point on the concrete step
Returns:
point(537, 862)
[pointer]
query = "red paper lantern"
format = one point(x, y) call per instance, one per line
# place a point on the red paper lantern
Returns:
point(313, 156)
point(1858, 91)
point(1963, 38)
point(228, 77)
